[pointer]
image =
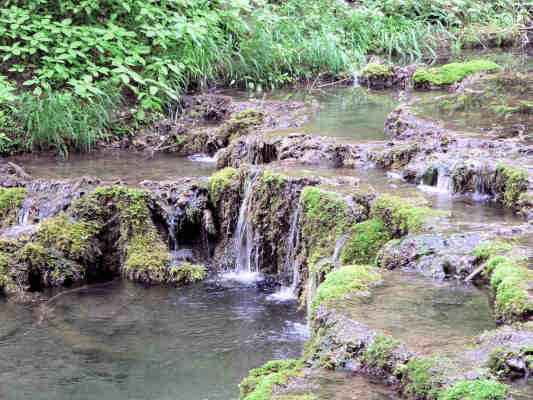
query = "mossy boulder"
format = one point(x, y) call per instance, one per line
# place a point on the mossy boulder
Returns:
point(10, 201)
point(366, 239)
point(260, 382)
point(452, 73)
point(511, 182)
point(187, 273)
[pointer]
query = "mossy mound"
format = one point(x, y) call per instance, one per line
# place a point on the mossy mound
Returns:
point(365, 241)
point(343, 281)
point(187, 273)
point(220, 181)
point(10, 201)
point(260, 382)
point(374, 70)
point(511, 182)
point(449, 74)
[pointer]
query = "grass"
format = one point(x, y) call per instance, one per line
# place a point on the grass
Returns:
point(480, 389)
point(152, 52)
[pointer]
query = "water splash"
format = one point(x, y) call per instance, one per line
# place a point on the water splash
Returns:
point(205, 158)
point(339, 244)
point(443, 184)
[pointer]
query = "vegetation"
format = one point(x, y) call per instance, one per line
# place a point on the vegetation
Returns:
point(480, 389)
point(421, 378)
point(117, 64)
point(366, 240)
point(379, 352)
point(219, 181)
point(452, 73)
point(10, 201)
point(343, 281)
point(512, 182)
point(260, 381)
point(187, 273)
point(377, 70)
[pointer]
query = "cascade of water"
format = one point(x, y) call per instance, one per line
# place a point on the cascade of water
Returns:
point(482, 184)
point(290, 264)
point(442, 185)
point(339, 244)
point(247, 263)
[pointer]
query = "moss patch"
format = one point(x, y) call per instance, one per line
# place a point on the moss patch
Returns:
point(187, 273)
point(511, 182)
point(378, 354)
point(488, 249)
point(260, 382)
point(365, 242)
point(220, 181)
point(342, 281)
point(373, 70)
point(452, 73)
point(480, 389)
point(398, 216)
point(10, 201)
point(421, 377)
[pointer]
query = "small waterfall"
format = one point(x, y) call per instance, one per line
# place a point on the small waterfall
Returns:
point(339, 244)
point(247, 261)
point(290, 265)
point(441, 182)
point(482, 184)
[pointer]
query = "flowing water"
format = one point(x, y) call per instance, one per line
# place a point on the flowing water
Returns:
point(120, 341)
point(425, 315)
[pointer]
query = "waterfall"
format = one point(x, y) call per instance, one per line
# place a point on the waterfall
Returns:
point(482, 184)
point(290, 265)
point(339, 244)
point(247, 260)
point(443, 183)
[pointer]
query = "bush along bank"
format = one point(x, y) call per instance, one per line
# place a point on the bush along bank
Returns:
point(117, 66)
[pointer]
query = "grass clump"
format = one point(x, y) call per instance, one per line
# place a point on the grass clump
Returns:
point(187, 273)
point(379, 353)
point(512, 182)
point(421, 378)
point(452, 73)
point(399, 217)
point(219, 181)
point(260, 382)
point(343, 281)
point(366, 239)
point(10, 201)
point(479, 389)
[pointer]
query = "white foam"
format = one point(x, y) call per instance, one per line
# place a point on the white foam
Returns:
point(285, 293)
point(434, 189)
point(242, 276)
point(205, 158)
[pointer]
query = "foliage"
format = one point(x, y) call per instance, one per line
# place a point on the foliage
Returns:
point(488, 249)
point(10, 201)
point(260, 381)
point(479, 389)
point(377, 70)
point(420, 377)
point(452, 73)
point(187, 273)
point(343, 281)
point(513, 182)
point(219, 181)
point(379, 351)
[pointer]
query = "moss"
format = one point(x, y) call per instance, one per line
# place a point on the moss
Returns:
point(10, 201)
point(377, 70)
point(480, 389)
point(273, 178)
point(365, 241)
point(399, 216)
point(378, 354)
point(187, 273)
point(486, 250)
point(260, 382)
point(147, 258)
point(421, 377)
point(342, 281)
point(72, 238)
point(512, 182)
point(452, 73)
point(241, 122)
point(220, 181)
point(4, 271)
point(501, 361)
point(509, 282)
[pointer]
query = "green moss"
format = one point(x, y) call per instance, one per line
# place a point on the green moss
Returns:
point(147, 258)
point(259, 383)
point(378, 354)
point(242, 122)
point(488, 249)
point(220, 181)
point(342, 281)
point(72, 238)
point(4, 271)
point(509, 282)
point(187, 273)
point(513, 181)
point(399, 216)
point(452, 73)
point(480, 389)
point(365, 241)
point(373, 70)
point(10, 201)
point(501, 360)
point(421, 378)
point(273, 178)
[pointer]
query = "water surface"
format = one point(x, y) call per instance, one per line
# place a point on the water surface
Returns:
point(120, 341)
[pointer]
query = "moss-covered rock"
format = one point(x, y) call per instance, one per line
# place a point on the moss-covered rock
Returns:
point(260, 382)
point(380, 352)
point(10, 201)
point(479, 389)
point(422, 377)
point(187, 273)
point(511, 182)
point(366, 239)
point(220, 181)
point(343, 281)
point(399, 216)
point(451, 73)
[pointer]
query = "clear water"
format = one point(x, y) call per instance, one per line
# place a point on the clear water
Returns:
point(121, 165)
point(426, 316)
point(121, 341)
